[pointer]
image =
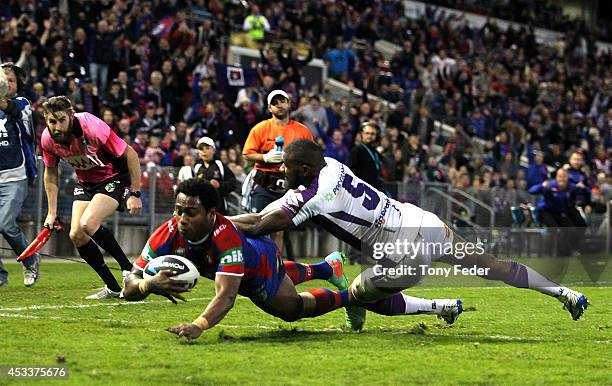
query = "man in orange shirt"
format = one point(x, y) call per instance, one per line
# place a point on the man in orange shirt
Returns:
point(260, 148)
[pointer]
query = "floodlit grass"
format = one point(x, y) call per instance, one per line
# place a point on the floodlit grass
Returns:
point(508, 336)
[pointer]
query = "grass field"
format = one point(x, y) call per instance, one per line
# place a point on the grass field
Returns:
point(508, 336)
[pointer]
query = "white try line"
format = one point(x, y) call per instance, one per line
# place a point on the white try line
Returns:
point(63, 318)
point(92, 305)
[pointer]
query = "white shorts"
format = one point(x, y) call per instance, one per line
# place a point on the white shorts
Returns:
point(379, 281)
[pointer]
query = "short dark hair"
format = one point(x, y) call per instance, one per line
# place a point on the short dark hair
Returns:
point(195, 187)
point(305, 152)
point(57, 104)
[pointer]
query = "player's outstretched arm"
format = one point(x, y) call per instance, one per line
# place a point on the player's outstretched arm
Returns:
point(51, 181)
point(226, 287)
point(264, 223)
point(136, 288)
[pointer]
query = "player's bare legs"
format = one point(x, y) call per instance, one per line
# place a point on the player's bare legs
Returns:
point(78, 237)
point(520, 276)
point(100, 208)
point(286, 304)
point(85, 217)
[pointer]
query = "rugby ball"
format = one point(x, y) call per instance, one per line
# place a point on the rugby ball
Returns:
point(186, 269)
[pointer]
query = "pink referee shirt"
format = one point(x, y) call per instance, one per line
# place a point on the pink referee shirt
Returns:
point(91, 163)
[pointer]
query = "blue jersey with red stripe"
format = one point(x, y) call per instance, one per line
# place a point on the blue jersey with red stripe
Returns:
point(226, 251)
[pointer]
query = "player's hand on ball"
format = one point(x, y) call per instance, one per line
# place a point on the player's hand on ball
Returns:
point(163, 284)
point(134, 205)
point(188, 330)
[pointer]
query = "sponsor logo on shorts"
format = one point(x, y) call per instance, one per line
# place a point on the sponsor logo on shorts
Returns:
point(126, 192)
point(110, 187)
point(78, 191)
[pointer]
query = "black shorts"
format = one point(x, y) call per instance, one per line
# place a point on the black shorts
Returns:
point(117, 187)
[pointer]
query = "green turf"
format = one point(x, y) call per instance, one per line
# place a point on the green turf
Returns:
point(510, 336)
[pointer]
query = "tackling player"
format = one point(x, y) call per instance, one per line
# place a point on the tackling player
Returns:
point(326, 191)
point(108, 174)
point(251, 267)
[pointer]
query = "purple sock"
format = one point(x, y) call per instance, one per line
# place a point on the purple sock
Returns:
point(393, 305)
point(517, 275)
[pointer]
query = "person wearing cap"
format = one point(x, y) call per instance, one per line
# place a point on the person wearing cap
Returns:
point(213, 170)
point(150, 120)
point(17, 166)
point(260, 148)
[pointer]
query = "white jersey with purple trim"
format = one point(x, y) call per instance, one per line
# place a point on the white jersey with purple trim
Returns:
point(350, 208)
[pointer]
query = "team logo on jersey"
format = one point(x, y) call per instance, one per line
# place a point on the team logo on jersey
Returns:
point(110, 187)
point(329, 197)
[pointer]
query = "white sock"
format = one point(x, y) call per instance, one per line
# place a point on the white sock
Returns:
point(416, 305)
point(540, 283)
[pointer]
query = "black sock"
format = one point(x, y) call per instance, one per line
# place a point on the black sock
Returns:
point(92, 255)
point(105, 239)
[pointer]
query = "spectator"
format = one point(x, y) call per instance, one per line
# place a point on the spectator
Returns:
point(364, 159)
point(537, 171)
point(214, 171)
point(554, 209)
point(334, 147)
point(256, 25)
point(17, 166)
point(100, 49)
point(341, 61)
point(151, 120)
point(312, 114)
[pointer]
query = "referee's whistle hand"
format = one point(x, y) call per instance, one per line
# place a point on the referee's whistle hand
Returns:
point(134, 205)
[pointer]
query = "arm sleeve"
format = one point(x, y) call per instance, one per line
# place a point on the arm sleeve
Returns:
point(537, 189)
point(230, 251)
point(253, 141)
point(302, 205)
point(115, 145)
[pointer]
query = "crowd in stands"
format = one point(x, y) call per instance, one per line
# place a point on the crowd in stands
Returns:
point(148, 69)
point(546, 14)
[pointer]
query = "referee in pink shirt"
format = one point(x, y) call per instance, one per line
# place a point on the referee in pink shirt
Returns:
point(108, 174)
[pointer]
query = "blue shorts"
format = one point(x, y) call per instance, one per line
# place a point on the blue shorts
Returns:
point(263, 274)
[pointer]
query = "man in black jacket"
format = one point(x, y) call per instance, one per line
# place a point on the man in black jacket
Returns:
point(364, 160)
point(214, 171)
point(366, 163)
